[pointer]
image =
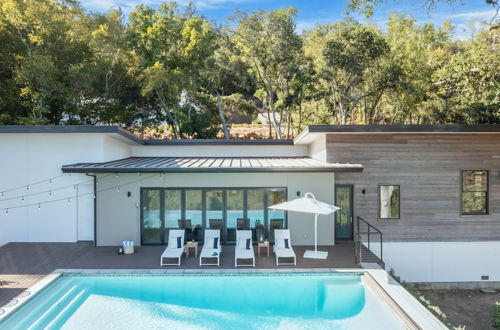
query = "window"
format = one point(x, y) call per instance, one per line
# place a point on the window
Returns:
point(389, 199)
point(474, 192)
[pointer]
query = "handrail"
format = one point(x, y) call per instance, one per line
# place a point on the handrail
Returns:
point(368, 232)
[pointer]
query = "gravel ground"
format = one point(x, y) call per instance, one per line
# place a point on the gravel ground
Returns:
point(467, 308)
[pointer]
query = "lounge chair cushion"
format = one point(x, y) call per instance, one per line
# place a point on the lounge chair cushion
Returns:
point(244, 243)
point(216, 242)
point(283, 243)
point(175, 242)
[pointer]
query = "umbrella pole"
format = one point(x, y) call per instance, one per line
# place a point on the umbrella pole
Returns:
point(315, 233)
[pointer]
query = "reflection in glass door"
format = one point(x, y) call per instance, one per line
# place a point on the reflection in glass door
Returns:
point(343, 217)
point(214, 200)
point(151, 216)
point(173, 211)
point(235, 216)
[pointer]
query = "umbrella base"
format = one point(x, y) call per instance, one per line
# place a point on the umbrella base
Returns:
point(315, 254)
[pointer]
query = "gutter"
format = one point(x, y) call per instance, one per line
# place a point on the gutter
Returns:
point(95, 206)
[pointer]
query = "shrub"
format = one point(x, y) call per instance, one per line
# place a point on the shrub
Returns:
point(495, 322)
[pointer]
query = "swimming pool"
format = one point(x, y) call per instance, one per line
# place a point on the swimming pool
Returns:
point(243, 301)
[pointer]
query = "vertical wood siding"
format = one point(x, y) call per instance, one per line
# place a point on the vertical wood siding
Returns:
point(427, 167)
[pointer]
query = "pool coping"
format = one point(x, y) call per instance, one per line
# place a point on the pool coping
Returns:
point(407, 309)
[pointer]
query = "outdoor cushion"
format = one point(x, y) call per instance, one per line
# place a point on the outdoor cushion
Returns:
point(179, 242)
point(249, 241)
point(216, 240)
point(287, 246)
point(242, 243)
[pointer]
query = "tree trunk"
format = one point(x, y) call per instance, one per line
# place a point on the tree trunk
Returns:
point(222, 118)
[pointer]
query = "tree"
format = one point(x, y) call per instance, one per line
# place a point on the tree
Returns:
point(267, 42)
point(170, 50)
point(349, 54)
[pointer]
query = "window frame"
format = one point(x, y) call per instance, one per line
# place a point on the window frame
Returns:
point(379, 200)
point(487, 201)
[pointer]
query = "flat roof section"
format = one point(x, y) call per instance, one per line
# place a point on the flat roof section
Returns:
point(312, 131)
point(212, 165)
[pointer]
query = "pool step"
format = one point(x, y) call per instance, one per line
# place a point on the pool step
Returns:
point(66, 303)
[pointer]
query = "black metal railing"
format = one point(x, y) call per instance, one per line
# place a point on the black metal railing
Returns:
point(369, 233)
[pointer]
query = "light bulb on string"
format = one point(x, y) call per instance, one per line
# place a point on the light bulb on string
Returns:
point(94, 196)
point(50, 180)
point(68, 201)
point(28, 187)
point(3, 195)
point(50, 192)
point(116, 174)
point(22, 199)
point(39, 207)
point(118, 189)
point(6, 211)
point(74, 186)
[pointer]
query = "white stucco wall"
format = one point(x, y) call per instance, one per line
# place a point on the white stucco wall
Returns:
point(119, 217)
point(28, 158)
point(442, 261)
point(317, 149)
point(219, 151)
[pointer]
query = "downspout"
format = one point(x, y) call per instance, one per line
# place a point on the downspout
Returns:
point(95, 206)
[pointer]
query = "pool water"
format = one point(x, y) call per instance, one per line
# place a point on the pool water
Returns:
point(302, 301)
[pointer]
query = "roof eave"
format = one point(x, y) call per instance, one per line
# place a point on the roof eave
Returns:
point(215, 170)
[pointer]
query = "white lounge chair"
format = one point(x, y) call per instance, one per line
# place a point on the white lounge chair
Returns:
point(244, 248)
point(283, 247)
point(211, 247)
point(175, 247)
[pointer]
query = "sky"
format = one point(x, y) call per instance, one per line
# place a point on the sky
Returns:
point(465, 17)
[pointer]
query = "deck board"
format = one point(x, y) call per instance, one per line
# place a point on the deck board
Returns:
point(22, 265)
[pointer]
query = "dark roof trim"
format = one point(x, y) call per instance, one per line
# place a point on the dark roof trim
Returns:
point(217, 142)
point(450, 128)
point(69, 129)
point(125, 133)
point(68, 169)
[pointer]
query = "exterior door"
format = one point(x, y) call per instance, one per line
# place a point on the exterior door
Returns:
point(343, 217)
point(152, 217)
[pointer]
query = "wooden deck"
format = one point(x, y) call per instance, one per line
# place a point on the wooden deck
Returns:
point(24, 264)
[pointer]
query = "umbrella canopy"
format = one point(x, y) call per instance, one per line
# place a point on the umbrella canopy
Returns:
point(309, 204)
point(306, 204)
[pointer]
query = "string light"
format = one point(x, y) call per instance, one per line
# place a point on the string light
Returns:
point(116, 174)
point(74, 186)
point(22, 199)
point(28, 187)
point(50, 180)
point(3, 195)
point(118, 189)
point(68, 199)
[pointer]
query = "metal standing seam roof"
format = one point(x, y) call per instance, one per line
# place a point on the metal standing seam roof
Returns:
point(212, 164)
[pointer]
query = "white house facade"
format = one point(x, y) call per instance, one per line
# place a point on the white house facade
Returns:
point(432, 191)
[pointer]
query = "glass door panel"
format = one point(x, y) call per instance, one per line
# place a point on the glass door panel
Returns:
point(194, 215)
point(214, 200)
point(256, 211)
point(151, 217)
point(235, 216)
point(277, 218)
point(343, 217)
point(173, 211)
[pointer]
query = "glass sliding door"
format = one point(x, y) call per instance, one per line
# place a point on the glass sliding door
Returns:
point(194, 214)
point(173, 211)
point(214, 201)
point(235, 215)
point(276, 218)
point(256, 210)
point(152, 223)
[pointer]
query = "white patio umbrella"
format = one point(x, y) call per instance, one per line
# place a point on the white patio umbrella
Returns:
point(309, 204)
